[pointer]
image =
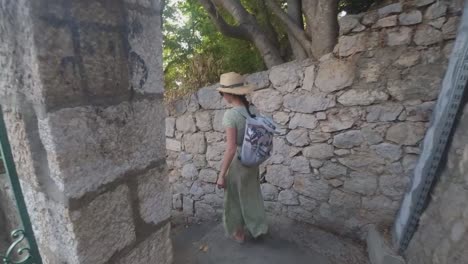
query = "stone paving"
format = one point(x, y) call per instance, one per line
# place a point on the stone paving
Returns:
point(288, 242)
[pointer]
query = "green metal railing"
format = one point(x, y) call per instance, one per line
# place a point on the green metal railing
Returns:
point(23, 249)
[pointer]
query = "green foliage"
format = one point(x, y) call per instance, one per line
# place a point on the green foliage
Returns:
point(195, 53)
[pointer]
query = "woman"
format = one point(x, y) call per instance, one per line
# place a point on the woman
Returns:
point(243, 203)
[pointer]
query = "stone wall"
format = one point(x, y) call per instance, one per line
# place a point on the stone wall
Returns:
point(352, 122)
point(82, 93)
point(442, 235)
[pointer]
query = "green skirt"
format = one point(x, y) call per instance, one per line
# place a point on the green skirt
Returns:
point(243, 201)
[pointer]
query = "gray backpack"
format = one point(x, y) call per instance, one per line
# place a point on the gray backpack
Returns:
point(258, 140)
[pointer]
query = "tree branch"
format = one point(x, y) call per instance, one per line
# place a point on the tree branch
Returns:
point(226, 29)
point(298, 33)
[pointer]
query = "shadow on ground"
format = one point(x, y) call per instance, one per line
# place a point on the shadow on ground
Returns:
point(288, 242)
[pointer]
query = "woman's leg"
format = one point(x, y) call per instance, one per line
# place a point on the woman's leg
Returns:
point(232, 217)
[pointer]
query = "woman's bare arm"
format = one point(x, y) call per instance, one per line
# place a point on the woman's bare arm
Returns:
point(231, 148)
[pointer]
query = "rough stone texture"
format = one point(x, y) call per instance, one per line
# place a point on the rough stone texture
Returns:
point(350, 124)
point(362, 97)
point(334, 75)
point(209, 98)
point(267, 100)
point(152, 193)
point(286, 77)
point(303, 120)
point(106, 222)
point(93, 136)
point(280, 176)
point(449, 29)
point(349, 139)
point(155, 249)
point(442, 234)
point(426, 35)
point(436, 10)
point(203, 120)
point(410, 18)
point(194, 143)
point(406, 133)
point(308, 103)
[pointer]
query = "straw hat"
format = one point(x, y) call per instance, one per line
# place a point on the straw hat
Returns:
point(234, 83)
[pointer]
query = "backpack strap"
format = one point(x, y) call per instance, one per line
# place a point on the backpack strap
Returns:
point(246, 116)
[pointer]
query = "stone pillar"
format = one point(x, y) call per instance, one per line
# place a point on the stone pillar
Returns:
point(82, 90)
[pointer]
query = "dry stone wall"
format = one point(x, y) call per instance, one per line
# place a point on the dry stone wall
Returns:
point(352, 122)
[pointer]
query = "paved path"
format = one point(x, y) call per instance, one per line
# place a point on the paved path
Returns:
point(288, 243)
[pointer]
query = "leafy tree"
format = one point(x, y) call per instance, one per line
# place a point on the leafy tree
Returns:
point(203, 38)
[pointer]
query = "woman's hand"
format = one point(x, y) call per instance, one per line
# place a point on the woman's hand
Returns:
point(221, 182)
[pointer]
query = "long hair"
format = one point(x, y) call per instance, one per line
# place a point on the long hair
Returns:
point(246, 103)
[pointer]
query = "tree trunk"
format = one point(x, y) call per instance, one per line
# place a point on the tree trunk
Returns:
point(269, 52)
point(295, 13)
point(322, 24)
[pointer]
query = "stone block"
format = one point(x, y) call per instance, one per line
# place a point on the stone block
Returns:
point(362, 97)
point(281, 118)
point(390, 21)
point(145, 58)
point(300, 214)
point(421, 83)
point(399, 36)
point(186, 124)
point(190, 171)
point(157, 248)
point(170, 126)
point(300, 164)
point(370, 18)
point(213, 200)
point(259, 79)
point(371, 71)
point(203, 120)
point(384, 113)
point(319, 151)
point(343, 200)
point(286, 77)
point(426, 35)
point(215, 151)
point(298, 137)
point(388, 151)
point(412, 17)
point(438, 23)
point(288, 197)
point(107, 142)
point(319, 137)
point(188, 206)
point(61, 81)
point(349, 45)
point(450, 28)
point(371, 136)
point(408, 59)
point(332, 170)
point(279, 175)
point(195, 143)
point(309, 78)
point(393, 186)
point(420, 3)
point(212, 137)
point(154, 196)
point(406, 133)
point(348, 139)
point(106, 222)
point(347, 23)
point(308, 103)
point(363, 161)
point(436, 10)
point(390, 9)
point(177, 201)
point(208, 175)
point(209, 98)
point(362, 183)
point(267, 100)
point(334, 75)
point(308, 185)
point(303, 120)
point(105, 64)
point(340, 120)
point(218, 120)
point(269, 192)
point(173, 145)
